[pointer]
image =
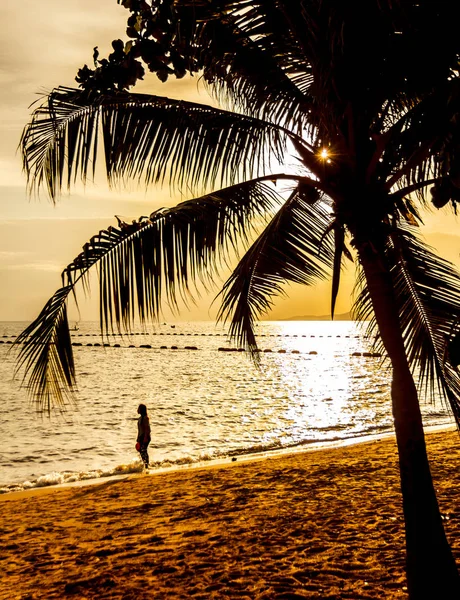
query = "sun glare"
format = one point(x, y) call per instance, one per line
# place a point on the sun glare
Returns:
point(324, 154)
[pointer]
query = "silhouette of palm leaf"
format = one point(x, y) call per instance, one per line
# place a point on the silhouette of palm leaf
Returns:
point(427, 289)
point(144, 136)
point(139, 264)
point(292, 248)
point(246, 70)
point(421, 144)
point(46, 354)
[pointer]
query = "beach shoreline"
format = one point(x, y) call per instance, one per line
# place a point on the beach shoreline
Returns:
point(323, 524)
point(222, 461)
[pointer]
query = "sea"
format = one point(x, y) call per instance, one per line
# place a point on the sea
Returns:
point(318, 383)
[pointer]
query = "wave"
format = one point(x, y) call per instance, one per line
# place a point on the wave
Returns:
point(70, 477)
point(65, 477)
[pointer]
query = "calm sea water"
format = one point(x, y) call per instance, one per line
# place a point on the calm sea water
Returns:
point(203, 404)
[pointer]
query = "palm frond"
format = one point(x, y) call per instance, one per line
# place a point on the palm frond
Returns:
point(339, 250)
point(144, 137)
point(139, 264)
point(144, 261)
point(421, 143)
point(256, 64)
point(46, 354)
point(292, 248)
point(427, 290)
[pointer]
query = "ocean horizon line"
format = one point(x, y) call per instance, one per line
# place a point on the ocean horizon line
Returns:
point(323, 317)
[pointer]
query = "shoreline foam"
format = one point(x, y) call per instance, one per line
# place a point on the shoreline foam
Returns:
point(126, 471)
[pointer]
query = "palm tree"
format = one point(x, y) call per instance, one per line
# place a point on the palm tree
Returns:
point(366, 96)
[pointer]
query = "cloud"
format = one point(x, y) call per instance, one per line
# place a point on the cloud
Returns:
point(34, 266)
point(5, 255)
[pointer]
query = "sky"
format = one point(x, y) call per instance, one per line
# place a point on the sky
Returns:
point(43, 44)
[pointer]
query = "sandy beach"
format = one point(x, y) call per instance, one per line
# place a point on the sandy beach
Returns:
point(323, 524)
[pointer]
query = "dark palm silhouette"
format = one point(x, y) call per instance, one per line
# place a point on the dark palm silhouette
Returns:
point(366, 96)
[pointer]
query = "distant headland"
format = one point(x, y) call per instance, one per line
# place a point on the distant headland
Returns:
point(341, 317)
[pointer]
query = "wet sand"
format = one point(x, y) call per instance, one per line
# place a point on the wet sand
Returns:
point(325, 524)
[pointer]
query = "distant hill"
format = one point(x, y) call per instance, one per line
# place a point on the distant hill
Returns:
point(342, 317)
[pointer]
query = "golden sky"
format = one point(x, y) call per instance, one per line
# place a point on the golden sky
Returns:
point(42, 46)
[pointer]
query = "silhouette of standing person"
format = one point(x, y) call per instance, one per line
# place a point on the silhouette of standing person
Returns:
point(143, 434)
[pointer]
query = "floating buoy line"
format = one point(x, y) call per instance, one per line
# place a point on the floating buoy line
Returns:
point(189, 347)
point(286, 335)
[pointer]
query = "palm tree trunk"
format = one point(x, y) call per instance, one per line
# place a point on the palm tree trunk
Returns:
point(430, 566)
